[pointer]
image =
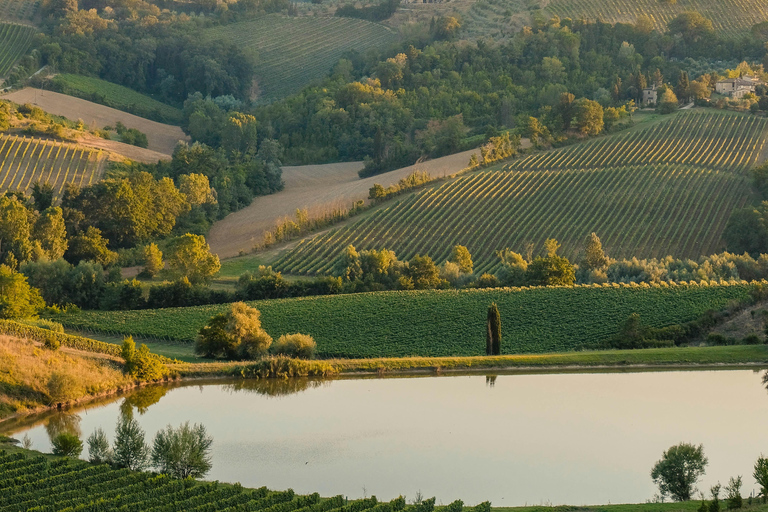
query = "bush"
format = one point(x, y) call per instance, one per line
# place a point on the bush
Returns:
point(235, 335)
point(99, 451)
point(752, 339)
point(67, 445)
point(301, 346)
point(62, 387)
point(184, 452)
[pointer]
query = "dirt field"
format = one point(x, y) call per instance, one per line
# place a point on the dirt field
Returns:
point(118, 149)
point(316, 188)
point(162, 137)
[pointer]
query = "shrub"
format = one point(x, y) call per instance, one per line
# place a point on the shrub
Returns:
point(67, 445)
point(752, 339)
point(62, 387)
point(130, 451)
point(235, 335)
point(300, 346)
point(99, 451)
point(184, 452)
point(734, 493)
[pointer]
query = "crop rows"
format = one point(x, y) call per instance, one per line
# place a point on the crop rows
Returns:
point(25, 160)
point(19, 10)
point(36, 483)
point(291, 52)
point(440, 322)
point(708, 140)
point(15, 40)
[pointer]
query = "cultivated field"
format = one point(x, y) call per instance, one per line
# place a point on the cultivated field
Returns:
point(318, 188)
point(19, 10)
point(14, 43)
point(116, 96)
point(162, 137)
point(25, 160)
point(291, 52)
point(440, 322)
point(666, 189)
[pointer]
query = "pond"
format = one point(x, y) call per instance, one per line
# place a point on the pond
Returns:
point(575, 438)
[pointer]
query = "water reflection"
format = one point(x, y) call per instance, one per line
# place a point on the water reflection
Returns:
point(275, 387)
point(142, 400)
point(63, 422)
point(490, 380)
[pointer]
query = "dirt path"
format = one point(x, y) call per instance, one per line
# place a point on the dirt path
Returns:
point(317, 188)
point(162, 137)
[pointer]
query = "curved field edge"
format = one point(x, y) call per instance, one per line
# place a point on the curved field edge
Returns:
point(435, 323)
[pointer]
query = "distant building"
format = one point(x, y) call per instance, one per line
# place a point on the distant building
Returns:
point(738, 87)
point(650, 95)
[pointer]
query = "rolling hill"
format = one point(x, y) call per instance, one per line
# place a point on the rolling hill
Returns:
point(15, 40)
point(667, 188)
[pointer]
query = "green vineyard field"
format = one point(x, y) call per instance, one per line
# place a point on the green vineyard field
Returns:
point(19, 10)
point(667, 189)
point(439, 322)
point(40, 483)
point(25, 160)
point(15, 40)
point(291, 52)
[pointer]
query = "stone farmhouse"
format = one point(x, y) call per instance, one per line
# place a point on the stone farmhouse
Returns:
point(738, 87)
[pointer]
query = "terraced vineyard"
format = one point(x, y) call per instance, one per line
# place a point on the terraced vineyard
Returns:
point(291, 52)
point(25, 160)
point(439, 322)
point(666, 189)
point(15, 40)
point(19, 10)
point(38, 483)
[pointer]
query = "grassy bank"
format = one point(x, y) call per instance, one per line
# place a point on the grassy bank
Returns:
point(437, 323)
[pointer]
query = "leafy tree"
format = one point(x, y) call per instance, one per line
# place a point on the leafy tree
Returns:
point(301, 346)
point(678, 470)
point(42, 193)
point(747, 230)
point(99, 451)
point(714, 491)
point(153, 260)
point(141, 364)
point(493, 331)
point(761, 476)
point(588, 116)
point(594, 256)
point(733, 490)
point(67, 445)
point(667, 101)
point(62, 386)
point(184, 452)
point(552, 270)
point(15, 229)
point(17, 298)
point(50, 233)
point(513, 268)
point(460, 256)
point(692, 26)
point(190, 256)
point(90, 246)
point(424, 273)
point(235, 335)
point(683, 88)
point(130, 450)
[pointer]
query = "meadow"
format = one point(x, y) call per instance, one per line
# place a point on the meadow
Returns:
point(291, 52)
point(26, 160)
point(439, 322)
point(665, 189)
point(116, 96)
point(15, 40)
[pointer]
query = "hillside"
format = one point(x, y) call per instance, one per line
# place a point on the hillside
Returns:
point(647, 192)
point(439, 323)
point(25, 160)
point(15, 40)
point(291, 52)
point(19, 10)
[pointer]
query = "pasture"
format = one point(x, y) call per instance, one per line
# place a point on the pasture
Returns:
point(25, 160)
point(435, 323)
point(15, 40)
point(666, 189)
point(292, 52)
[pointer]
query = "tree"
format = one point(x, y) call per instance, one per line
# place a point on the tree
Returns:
point(761, 476)
point(678, 471)
point(141, 364)
point(588, 116)
point(50, 233)
point(460, 256)
point(714, 491)
point(692, 26)
point(153, 260)
point(552, 270)
point(594, 257)
point(493, 331)
point(15, 230)
point(99, 451)
point(513, 268)
point(42, 193)
point(733, 490)
point(17, 298)
point(90, 246)
point(235, 335)
point(67, 445)
point(184, 452)
point(130, 450)
point(300, 346)
point(667, 102)
point(190, 257)
point(683, 88)
point(424, 273)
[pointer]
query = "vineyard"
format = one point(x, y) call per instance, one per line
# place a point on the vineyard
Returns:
point(15, 40)
point(440, 323)
point(666, 189)
point(19, 10)
point(39, 483)
point(25, 160)
point(291, 52)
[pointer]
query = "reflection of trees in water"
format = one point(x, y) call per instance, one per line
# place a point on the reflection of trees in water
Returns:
point(490, 380)
point(142, 400)
point(63, 422)
point(275, 387)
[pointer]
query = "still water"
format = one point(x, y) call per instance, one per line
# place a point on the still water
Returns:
point(581, 438)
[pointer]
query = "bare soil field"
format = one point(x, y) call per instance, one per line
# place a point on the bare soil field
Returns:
point(120, 149)
point(162, 137)
point(317, 188)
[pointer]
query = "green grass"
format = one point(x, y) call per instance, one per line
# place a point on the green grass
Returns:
point(170, 349)
point(291, 52)
point(116, 96)
point(666, 188)
point(15, 40)
point(439, 323)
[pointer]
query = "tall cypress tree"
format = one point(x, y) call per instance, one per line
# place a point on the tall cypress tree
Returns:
point(493, 336)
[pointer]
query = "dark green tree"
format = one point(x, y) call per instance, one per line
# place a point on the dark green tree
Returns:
point(678, 470)
point(67, 445)
point(184, 452)
point(130, 450)
point(493, 331)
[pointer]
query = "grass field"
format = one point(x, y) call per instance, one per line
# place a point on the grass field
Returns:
point(25, 160)
point(116, 96)
point(19, 10)
point(291, 52)
point(15, 40)
point(666, 189)
point(438, 323)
